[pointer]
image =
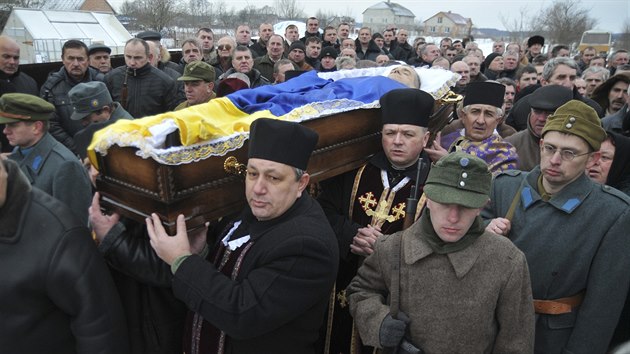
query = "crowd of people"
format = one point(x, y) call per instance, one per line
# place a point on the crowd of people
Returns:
point(503, 233)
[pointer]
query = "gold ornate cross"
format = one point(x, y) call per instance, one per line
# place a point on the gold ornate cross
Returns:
point(399, 211)
point(381, 214)
point(368, 201)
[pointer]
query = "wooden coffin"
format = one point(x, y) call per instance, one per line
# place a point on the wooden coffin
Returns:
point(204, 191)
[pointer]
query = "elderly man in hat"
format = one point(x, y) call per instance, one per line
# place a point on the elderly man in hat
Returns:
point(416, 289)
point(543, 102)
point(364, 204)
point(198, 81)
point(99, 56)
point(264, 285)
point(480, 114)
point(93, 106)
point(573, 231)
point(57, 294)
point(47, 164)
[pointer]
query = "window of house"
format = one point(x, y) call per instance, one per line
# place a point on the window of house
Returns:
point(447, 30)
point(433, 29)
point(439, 19)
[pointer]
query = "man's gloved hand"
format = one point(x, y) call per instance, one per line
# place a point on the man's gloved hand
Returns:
point(392, 330)
point(407, 347)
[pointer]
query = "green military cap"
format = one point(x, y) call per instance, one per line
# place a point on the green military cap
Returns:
point(88, 97)
point(198, 70)
point(22, 107)
point(459, 178)
point(577, 118)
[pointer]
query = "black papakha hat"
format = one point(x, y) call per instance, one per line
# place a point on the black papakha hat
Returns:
point(549, 98)
point(485, 92)
point(280, 141)
point(406, 106)
point(535, 40)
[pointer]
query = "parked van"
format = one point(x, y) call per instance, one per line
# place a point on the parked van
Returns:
point(601, 41)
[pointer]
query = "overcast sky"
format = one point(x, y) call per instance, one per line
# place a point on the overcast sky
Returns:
point(610, 14)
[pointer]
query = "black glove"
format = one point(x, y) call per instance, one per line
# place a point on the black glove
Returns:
point(392, 330)
point(407, 347)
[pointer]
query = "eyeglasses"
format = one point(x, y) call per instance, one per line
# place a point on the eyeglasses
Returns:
point(565, 155)
point(224, 47)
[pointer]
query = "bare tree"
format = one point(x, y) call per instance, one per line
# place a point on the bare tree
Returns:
point(623, 42)
point(326, 17)
point(564, 21)
point(288, 9)
point(151, 14)
point(517, 27)
point(199, 11)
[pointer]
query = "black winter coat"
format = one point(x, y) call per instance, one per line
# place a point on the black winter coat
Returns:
point(277, 302)
point(149, 90)
point(56, 293)
point(18, 82)
point(55, 90)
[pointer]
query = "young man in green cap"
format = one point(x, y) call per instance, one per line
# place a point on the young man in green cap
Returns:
point(573, 231)
point(93, 106)
point(445, 285)
point(48, 164)
point(198, 81)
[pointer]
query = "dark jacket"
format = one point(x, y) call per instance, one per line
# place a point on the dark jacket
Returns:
point(57, 294)
point(370, 54)
point(155, 318)
point(264, 64)
point(55, 90)
point(307, 34)
point(615, 122)
point(18, 82)
point(527, 147)
point(418, 62)
point(402, 51)
point(258, 49)
point(53, 168)
point(149, 90)
point(83, 138)
point(277, 300)
point(255, 78)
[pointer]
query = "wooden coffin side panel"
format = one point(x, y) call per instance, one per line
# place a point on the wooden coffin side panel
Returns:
point(203, 191)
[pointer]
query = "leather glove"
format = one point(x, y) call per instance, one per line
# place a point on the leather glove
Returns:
point(393, 330)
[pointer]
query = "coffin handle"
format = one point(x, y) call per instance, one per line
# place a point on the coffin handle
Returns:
point(233, 167)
